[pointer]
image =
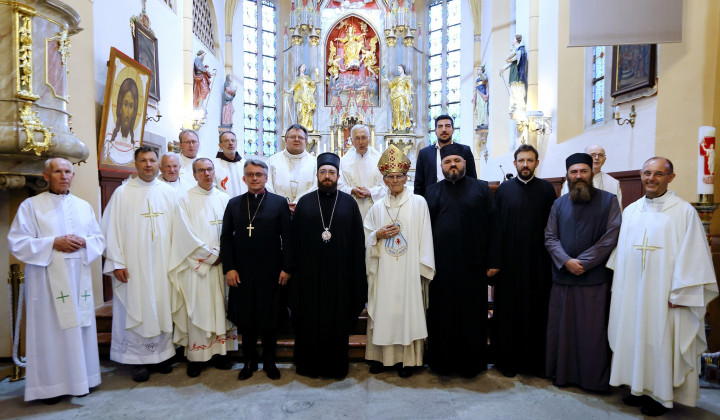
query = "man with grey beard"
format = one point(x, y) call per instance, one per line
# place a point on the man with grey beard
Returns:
point(581, 232)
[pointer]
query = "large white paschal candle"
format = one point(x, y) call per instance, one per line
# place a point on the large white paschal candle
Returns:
point(706, 160)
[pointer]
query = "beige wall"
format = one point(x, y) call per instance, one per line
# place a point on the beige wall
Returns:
point(571, 79)
point(686, 92)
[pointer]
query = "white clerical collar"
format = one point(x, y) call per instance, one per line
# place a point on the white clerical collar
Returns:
point(523, 181)
point(146, 184)
point(397, 200)
point(295, 157)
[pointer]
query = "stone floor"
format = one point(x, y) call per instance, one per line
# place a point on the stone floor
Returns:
point(218, 394)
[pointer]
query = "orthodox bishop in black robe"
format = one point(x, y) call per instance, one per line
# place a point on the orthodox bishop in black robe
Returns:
point(465, 234)
point(258, 251)
point(522, 287)
point(328, 289)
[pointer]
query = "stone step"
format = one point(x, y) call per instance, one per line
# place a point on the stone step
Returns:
point(285, 343)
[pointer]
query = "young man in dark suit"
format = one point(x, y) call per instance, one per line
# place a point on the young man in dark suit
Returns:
point(428, 161)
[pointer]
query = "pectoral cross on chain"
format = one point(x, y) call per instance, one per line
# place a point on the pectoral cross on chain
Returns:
point(218, 224)
point(645, 248)
point(150, 214)
point(250, 229)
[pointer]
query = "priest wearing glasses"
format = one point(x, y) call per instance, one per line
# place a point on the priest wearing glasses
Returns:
point(400, 264)
point(329, 288)
point(256, 243)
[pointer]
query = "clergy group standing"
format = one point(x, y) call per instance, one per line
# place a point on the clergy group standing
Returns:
point(57, 236)
point(328, 289)
point(146, 237)
point(522, 288)
point(400, 264)
point(581, 232)
point(258, 261)
point(199, 302)
point(663, 281)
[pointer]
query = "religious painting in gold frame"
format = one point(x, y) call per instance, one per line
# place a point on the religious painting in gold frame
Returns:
point(124, 111)
point(145, 46)
point(633, 68)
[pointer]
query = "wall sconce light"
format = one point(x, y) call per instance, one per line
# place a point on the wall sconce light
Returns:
point(198, 118)
point(630, 119)
point(156, 118)
point(532, 121)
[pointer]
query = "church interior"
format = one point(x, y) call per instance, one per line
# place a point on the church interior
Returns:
point(640, 79)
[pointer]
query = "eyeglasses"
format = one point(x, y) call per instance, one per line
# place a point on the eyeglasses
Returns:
point(205, 170)
point(255, 175)
point(294, 138)
point(189, 142)
point(327, 171)
point(597, 155)
point(394, 177)
point(657, 174)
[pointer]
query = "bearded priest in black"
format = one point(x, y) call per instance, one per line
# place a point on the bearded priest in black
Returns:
point(256, 253)
point(329, 286)
point(522, 288)
point(465, 234)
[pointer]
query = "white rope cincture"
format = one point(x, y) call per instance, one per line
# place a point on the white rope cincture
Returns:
point(15, 334)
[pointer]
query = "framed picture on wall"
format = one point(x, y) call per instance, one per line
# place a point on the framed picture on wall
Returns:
point(146, 53)
point(124, 110)
point(633, 68)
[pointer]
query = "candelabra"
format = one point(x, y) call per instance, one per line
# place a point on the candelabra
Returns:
point(304, 20)
point(400, 22)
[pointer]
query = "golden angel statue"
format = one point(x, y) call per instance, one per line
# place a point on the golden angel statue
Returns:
point(369, 57)
point(303, 90)
point(333, 62)
point(352, 46)
point(401, 99)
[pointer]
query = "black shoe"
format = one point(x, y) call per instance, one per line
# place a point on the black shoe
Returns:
point(164, 367)
point(52, 401)
point(405, 372)
point(377, 367)
point(221, 362)
point(653, 408)
point(636, 400)
point(271, 371)
point(247, 371)
point(194, 369)
point(140, 373)
point(508, 373)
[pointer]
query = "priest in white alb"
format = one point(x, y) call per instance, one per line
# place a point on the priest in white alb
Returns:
point(170, 173)
point(229, 166)
point(601, 180)
point(400, 263)
point(199, 310)
point(359, 175)
point(291, 173)
point(663, 281)
point(57, 236)
point(146, 237)
point(189, 147)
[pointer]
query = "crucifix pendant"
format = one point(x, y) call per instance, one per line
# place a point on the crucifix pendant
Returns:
point(250, 229)
point(326, 235)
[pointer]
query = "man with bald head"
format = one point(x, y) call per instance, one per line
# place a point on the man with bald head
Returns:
point(359, 175)
point(663, 280)
point(581, 232)
point(600, 179)
point(170, 172)
point(57, 236)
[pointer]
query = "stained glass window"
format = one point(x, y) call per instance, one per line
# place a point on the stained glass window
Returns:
point(260, 66)
point(444, 63)
point(598, 85)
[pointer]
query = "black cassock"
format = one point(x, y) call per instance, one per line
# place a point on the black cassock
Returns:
point(522, 288)
point(256, 306)
point(464, 224)
point(329, 287)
